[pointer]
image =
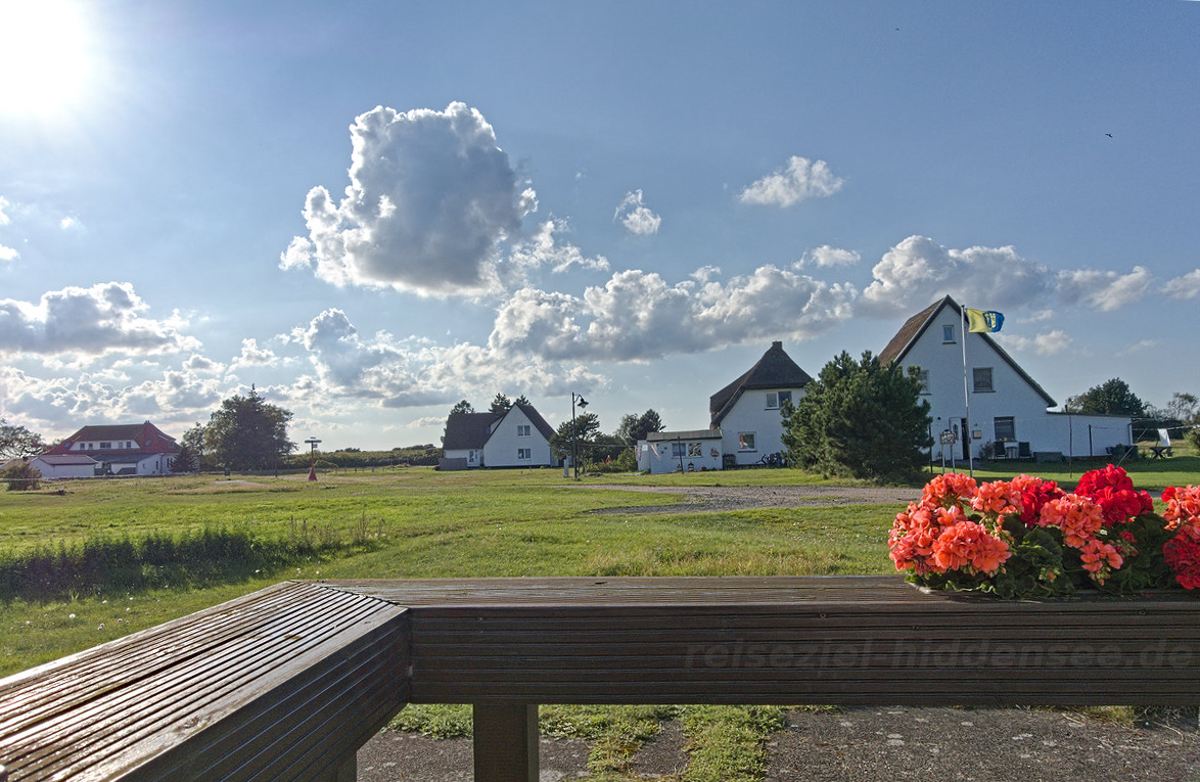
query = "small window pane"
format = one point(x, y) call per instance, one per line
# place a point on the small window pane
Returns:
point(694, 449)
point(948, 333)
point(924, 381)
point(785, 397)
point(772, 400)
point(1006, 429)
point(676, 450)
point(745, 441)
point(983, 378)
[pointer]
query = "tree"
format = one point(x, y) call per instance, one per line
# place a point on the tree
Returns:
point(582, 430)
point(635, 427)
point(1112, 397)
point(501, 404)
point(17, 441)
point(461, 408)
point(522, 400)
point(21, 476)
point(193, 442)
point(247, 433)
point(1185, 407)
point(187, 460)
point(862, 418)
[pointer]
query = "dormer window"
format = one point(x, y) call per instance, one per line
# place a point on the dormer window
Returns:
point(776, 399)
point(948, 334)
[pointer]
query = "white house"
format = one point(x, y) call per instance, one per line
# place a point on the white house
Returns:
point(124, 449)
point(747, 411)
point(684, 451)
point(519, 437)
point(54, 467)
point(1009, 410)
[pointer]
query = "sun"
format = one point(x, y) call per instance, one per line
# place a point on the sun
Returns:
point(46, 62)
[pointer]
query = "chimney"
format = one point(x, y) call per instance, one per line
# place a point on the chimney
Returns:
point(777, 345)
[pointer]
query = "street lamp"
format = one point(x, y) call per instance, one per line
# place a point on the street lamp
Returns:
point(576, 399)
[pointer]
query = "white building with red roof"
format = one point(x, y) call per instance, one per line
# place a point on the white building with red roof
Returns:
point(123, 449)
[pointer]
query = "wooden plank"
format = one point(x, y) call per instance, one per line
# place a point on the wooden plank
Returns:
point(505, 742)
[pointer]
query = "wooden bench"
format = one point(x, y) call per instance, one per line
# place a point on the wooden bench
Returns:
point(506, 645)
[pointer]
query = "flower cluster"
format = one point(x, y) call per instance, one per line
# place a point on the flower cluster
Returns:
point(1113, 489)
point(1029, 537)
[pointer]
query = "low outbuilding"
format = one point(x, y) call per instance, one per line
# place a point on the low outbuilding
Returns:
point(683, 451)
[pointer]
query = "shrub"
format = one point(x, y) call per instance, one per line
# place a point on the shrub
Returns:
point(21, 476)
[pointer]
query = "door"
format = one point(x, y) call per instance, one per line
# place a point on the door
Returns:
point(966, 439)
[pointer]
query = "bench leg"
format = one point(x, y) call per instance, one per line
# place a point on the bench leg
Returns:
point(506, 742)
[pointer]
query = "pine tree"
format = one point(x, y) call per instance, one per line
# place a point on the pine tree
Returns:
point(501, 404)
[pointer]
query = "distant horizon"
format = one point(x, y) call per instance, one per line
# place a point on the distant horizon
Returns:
point(373, 212)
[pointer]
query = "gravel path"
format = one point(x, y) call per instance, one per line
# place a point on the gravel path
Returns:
point(866, 745)
point(717, 498)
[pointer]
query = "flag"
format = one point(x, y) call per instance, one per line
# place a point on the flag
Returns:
point(984, 321)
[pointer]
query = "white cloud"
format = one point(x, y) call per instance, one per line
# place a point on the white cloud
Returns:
point(798, 181)
point(426, 421)
point(69, 223)
point(254, 355)
point(411, 373)
point(637, 218)
point(8, 253)
point(1050, 343)
point(544, 249)
point(4, 204)
point(1138, 347)
point(431, 195)
point(1186, 286)
point(918, 270)
point(107, 317)
point(1104, 290)
point(827, 256)
point(200, 363)
point(637, 315)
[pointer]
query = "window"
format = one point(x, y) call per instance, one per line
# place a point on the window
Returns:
point(128, 444)
point(1006, 429)
point(983, 379)
point(947, 334)
point(106, 445)
point(924, 381)
point(746, 441)
point(676, 450)
point(777, 399)
point(523, 430)
point(695, 449)
point(524, 454)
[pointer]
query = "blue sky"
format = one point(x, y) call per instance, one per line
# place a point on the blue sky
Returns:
point(840, 164)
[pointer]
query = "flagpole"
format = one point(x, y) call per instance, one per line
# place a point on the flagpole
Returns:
point(962, 311)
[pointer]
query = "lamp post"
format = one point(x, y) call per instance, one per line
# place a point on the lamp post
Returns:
point(576, 399)
point(312, 443)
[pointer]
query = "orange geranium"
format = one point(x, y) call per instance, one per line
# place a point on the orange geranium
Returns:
point(968, 544)
point(1183, 506)
point(1078, 517)
point(949, 489)
point(1100, 559)
point(998, 497)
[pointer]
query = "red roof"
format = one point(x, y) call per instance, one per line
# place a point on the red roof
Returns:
point(146, 438)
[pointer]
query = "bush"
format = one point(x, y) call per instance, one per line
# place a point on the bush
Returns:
point(21, 476)
point(860, 418)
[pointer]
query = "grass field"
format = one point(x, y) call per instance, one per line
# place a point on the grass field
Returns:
point(430, 524)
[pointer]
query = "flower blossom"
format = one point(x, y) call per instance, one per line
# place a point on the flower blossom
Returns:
point(1112, 488)
point(1078, 517)
point(1183, 506)
point(948, 489)
point(969, 545)
point(1100, 559)
point(1182, 554)
point(998, 497)
point(1035, 492)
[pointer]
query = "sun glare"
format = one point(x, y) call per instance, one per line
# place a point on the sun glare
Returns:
point(45, 58)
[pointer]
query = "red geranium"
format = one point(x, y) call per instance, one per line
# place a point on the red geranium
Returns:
point(1182, 554)
point(1035, 492)
point(1112, 489)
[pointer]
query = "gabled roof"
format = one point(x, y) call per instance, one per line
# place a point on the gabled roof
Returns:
point(917, 325)
point(774, 370)
point(473, 430)
point(147, 438)
point(62, 460)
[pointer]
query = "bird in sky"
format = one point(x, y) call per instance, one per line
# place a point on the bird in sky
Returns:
point(1109, 135)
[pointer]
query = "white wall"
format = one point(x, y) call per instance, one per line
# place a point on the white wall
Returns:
point(470, 454)
point(751, 414)
point(1012, 396)
point(56, 471)
point(657, 457)
point(501, 448)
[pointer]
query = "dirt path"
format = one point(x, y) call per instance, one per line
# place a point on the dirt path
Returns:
point(866, 745)
point(718, 498)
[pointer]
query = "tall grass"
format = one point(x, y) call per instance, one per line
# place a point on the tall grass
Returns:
point(207, 557)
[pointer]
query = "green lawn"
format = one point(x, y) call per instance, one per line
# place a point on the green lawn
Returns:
point(495, 523)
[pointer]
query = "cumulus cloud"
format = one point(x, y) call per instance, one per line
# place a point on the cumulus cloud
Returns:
point(546, 249)
point(254, 355)
point(69, 223)
point(638, 315)
point(431, 195)
point(637, 218)
point(425, 421)
point(800, 180)
point(917, 270)
point(107, 317)
point(1104, 290)
point(200, 363)
point(1186, 286)
point(826, 256)
point(1050, 343)
point(8, 253)
point(411, 373)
